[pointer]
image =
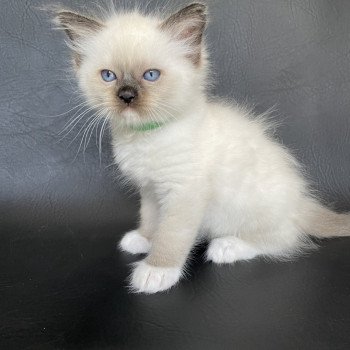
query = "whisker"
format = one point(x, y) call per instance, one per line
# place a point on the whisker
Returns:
point(91, 123)
point(98, 119)
point(76, 119)
point(81, 105)
point(104, 124)
point(82, 128)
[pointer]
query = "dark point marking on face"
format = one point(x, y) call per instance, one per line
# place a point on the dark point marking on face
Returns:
point(127, 94)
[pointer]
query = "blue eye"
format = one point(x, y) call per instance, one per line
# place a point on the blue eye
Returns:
point(152, 75)
point(108, 75)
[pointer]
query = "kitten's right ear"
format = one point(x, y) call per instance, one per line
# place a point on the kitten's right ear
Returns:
point(75, 25)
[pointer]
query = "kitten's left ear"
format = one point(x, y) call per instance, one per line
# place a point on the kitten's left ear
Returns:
point(188, 25)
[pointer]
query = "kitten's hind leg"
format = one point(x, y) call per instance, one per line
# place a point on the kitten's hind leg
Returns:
point(229, 249)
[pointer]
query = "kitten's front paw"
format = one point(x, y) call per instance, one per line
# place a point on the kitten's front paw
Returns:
point(134, 243)
point(151, 279)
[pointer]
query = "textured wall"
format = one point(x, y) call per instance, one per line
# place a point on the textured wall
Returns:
point(289, 53)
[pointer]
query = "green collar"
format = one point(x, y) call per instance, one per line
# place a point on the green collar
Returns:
point(146, 126)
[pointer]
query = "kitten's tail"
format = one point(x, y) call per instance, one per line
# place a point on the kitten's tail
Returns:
point(321, 222)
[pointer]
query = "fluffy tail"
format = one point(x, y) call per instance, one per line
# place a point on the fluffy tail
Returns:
point(321, 222)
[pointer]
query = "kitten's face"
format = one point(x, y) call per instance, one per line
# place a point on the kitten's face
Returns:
point(138, 68)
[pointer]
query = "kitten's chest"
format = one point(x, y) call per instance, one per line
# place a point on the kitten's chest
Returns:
point(154, 162)
point(135, 161)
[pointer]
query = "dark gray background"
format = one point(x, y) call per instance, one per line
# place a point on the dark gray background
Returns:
point(61, 212)
point(290, 54)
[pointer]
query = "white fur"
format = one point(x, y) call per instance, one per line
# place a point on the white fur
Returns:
point(246, 185)
point(150, 279)
point(230, 249)
point(135, 243)
point(211, 169)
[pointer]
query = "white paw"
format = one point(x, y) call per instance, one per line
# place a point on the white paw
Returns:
point(134, 243)
point(151, 279)
point(230, 249)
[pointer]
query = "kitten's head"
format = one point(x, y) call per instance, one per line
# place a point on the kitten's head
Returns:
point(139, 68)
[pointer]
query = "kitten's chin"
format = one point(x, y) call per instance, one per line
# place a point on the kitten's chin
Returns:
point(129, 113)
point(129, 116)
point(132, 117)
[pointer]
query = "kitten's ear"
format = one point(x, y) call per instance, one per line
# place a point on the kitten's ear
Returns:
point(188, 25)
point(75, 25)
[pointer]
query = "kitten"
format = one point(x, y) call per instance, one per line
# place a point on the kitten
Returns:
point(204, 168)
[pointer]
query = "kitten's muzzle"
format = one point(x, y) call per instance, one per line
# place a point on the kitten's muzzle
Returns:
point(127, 94)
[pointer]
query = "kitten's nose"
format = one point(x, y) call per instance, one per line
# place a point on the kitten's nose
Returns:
point(127, 94)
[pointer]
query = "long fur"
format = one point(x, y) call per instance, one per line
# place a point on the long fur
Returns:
point(212, 168)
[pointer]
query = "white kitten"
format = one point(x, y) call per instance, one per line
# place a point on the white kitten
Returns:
point(203, 168)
